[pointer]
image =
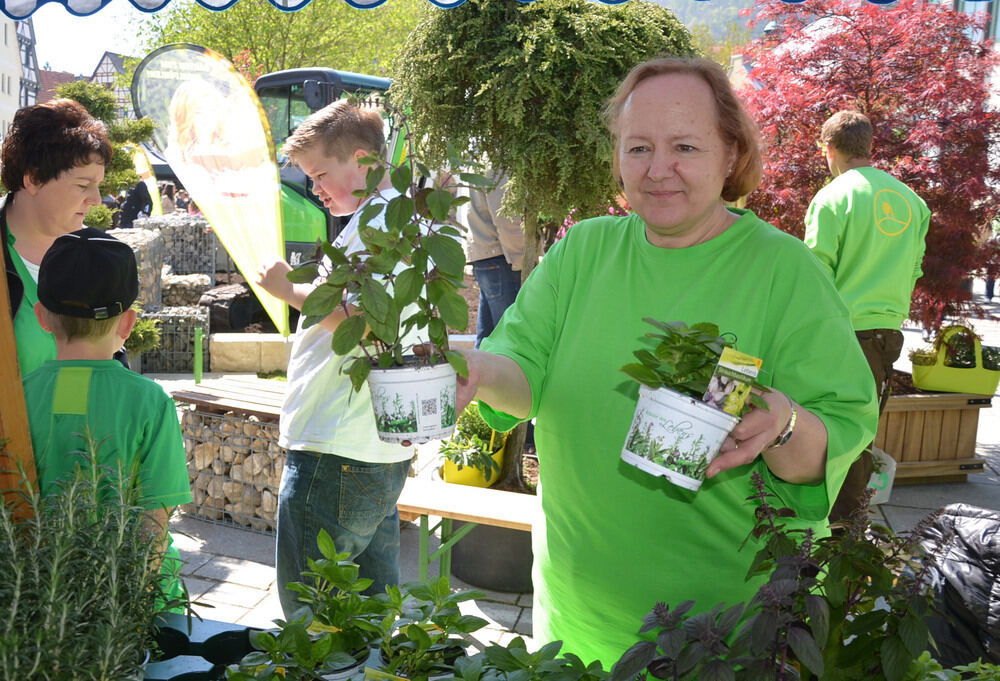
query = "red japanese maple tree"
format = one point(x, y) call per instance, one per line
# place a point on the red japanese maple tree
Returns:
point(916, 72)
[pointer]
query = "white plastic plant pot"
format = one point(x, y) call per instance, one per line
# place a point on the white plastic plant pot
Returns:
point(884, 472)
point(675, 436)
point(415, 403)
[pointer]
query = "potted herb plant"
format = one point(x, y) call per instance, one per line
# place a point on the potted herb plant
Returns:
point(424, 633)
point(80, 587)
point(330, 637)
point(694, 387)
point(400, 292)
point(473, 455)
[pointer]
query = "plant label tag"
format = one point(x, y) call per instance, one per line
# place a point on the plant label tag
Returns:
point(729, 387)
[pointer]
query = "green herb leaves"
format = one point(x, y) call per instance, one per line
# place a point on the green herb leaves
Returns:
point(402, 286)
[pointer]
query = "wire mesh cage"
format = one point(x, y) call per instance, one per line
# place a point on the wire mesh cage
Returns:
point(189, 243)
point(177, 340)
point(234, 464)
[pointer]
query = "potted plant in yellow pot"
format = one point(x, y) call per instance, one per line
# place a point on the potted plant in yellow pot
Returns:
point(473, 455)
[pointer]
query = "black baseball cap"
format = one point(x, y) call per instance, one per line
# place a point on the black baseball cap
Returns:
point(88, 274)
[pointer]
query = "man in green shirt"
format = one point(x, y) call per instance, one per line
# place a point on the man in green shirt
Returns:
point(83, 398)
point(867, 229)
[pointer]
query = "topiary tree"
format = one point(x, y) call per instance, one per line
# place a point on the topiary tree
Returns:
point(100, 101)
point(522, 86)
point(915, 71)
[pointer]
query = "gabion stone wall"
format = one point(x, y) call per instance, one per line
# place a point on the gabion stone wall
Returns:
point(148, 247)
point(189, 243)
point(176, 352)
point(234, 465)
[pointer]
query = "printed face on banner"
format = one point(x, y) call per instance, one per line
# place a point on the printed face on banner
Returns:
point(213, 132)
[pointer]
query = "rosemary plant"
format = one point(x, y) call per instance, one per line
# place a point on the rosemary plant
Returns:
point(80, 586)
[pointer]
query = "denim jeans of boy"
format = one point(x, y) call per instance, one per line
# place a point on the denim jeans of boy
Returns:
point(354, 501)
point(498, 287)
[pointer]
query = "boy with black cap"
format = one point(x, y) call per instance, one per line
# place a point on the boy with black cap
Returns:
point(87, 282)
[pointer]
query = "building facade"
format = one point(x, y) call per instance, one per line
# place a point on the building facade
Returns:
point(10, 73)
point(107, 73)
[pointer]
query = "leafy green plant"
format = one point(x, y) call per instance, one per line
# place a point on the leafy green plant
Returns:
point(332, 631)
point(684, 360)
point(425, 632)
point(145, 334)
point(98, 217)
point(515, 663)
point(848, 606)
point(80, 587)
point(474, 443)
point(406, 278)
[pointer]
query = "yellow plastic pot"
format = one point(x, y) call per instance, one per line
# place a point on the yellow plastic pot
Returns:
point(469, 475)
point(937, 376)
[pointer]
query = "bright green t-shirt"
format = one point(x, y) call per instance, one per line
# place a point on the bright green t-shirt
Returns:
point(616, 540)
point(35, 345)
point(131, 418)
point(868, 230)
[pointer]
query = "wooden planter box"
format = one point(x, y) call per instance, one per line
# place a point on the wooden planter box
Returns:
point(932, 436)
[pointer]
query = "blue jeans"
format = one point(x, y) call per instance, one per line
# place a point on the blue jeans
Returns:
point(498, 287)
point(354, 501)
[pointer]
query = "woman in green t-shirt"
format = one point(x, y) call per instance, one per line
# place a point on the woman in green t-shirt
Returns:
point(52, 163)
point(616, 540)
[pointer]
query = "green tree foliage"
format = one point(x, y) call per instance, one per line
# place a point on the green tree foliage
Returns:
point(721, 48)
point(101, 102)
point(522, 85)
point(329, 34)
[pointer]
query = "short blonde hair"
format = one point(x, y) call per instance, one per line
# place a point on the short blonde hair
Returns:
point(734, 124)
point(341, 127)
point(850, 133)
point(66, 328)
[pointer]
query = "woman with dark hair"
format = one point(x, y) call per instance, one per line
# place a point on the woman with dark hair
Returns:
point(52, 163)
point(616, 540)
point(167, 197)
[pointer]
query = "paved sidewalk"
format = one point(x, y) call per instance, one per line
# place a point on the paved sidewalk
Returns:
point(232, 569)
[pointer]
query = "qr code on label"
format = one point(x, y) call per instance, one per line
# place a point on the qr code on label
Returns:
point(428, 407)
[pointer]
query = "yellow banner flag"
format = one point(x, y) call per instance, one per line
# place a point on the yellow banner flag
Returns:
point(214, 134)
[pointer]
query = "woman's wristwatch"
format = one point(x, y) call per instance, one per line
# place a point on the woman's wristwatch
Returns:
point(786, 434)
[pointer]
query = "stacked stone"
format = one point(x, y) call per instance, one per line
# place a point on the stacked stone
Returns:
point(184, 289)
point(177, 347)
point(189, 242)
point(148, 246)
point(234, 464)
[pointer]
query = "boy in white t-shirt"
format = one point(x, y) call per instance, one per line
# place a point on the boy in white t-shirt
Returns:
point(338, 475)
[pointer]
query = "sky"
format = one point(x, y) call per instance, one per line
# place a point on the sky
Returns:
point(75, 44)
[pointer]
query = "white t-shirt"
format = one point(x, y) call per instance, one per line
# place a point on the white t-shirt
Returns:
point(322, 413)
